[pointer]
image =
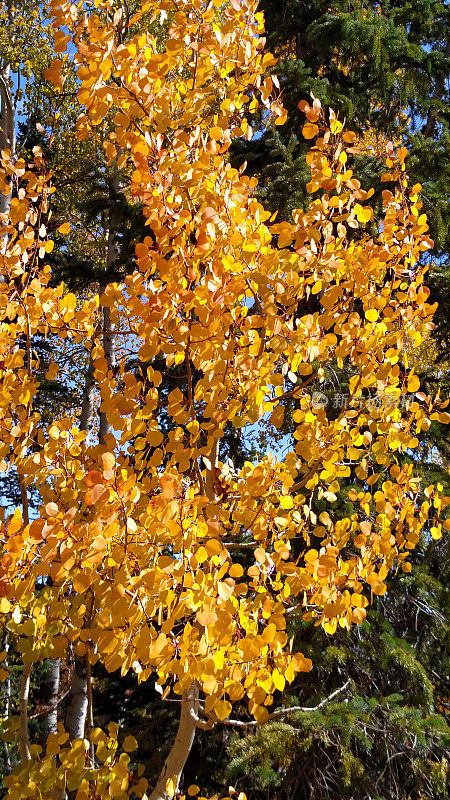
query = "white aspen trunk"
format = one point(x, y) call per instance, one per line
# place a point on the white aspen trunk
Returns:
point(87, 405)
point(76, 710)
point(24, 742)
point(7, 705)
point(7, 142)
point(175, 761)
point(52, 680)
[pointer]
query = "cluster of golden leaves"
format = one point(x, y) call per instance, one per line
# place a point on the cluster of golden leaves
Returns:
point(143, 559)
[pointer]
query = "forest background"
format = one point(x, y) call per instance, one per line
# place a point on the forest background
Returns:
point(383, 66)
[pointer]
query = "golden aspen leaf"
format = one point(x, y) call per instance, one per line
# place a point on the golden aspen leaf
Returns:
point(311, 556)
point(364, 214)
point(108, 461)
point(81, 582)
point(95, 494)
point(224, 590)
point(129, 744)
point(302, 663)
point(38, 525)
point(5, 605)
point(201, 554)
point(93, 477)
point(171, 786)
point(213, 547)
point(208, 617)
point(286, 501)
point(222, 708)
point(51, 509)
point(330, 625)
point(52, 371)
point(279, 680)
point(336, 126)
point(260, 714)
point(310, 130)
point(193, 789)
point(413, 384)
point(371, 314)
point(64, 228)
point(154, 438)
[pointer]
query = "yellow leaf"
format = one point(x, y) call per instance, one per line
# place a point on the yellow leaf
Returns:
point(413, 383)
point(5, 605)
point(129, 744)
point(310, 130)
point(222, 708)
point(108, 461)
point(279, 680)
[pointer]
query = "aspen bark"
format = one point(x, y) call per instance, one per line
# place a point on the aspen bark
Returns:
point(175, 761)
point(50, 721)
point(24, 742)
point(87, 405)
point(7, 705)
point(7, 142)
point(76, 710)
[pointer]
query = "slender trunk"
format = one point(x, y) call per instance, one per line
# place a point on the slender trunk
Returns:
point(50, 721)
point(24, 498)
point(75, 717)
point(7, 142)
point(7, 705)
point(24, 742)
point(175, 761)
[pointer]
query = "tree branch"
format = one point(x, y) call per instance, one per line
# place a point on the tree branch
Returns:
point(283, 712)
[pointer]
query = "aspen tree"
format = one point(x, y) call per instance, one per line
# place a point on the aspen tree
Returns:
point(143, 553)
